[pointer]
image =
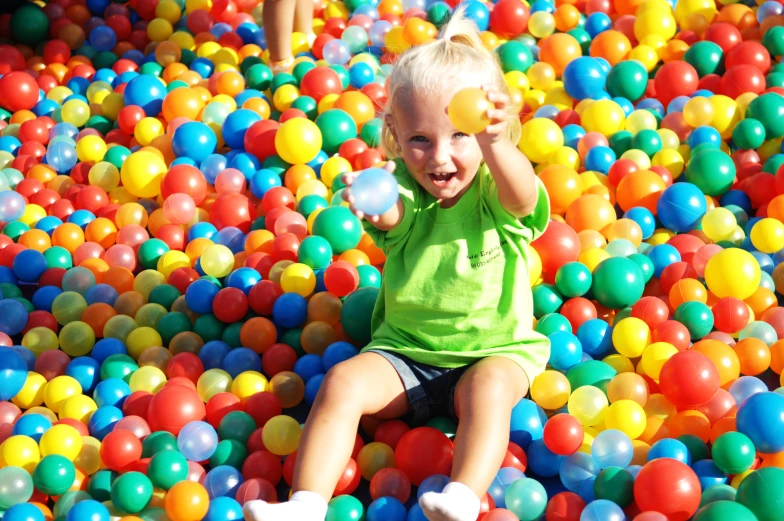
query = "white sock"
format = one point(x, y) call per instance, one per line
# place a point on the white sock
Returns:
point(456, 503)
point(303, 506)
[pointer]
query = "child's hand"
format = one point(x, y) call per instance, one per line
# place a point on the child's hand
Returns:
point(496, 130)
point(348, 179)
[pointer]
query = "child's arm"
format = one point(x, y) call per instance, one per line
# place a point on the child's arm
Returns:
point(383, 222)
point(512, 171)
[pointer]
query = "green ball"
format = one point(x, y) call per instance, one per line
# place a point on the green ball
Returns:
point(339, 227)
point(231, 335)
point(553, 323)
point(167, 468)
point(15, 229)
point(165, 295)
point(617, 282)
point(29, 25)
point(724, 511)
point(774, 79)
point(28, 305)
point(526, 498)
point(258, 77)
point(356, 313)
point(344, 508)
point(208, 327)
point(229, 452)
point(647, 140)
point(12, 291)
point(748, 134)
point(706, 57)
point(65, 502)
point(306, 104)
point(54, 475)
point(573, 279)
point(438, 14)
point(100, 123)
point(100, 484)
point(150, 251)
point(247, 63)
point(301, 69)
point(293, 339)
point(309, 204)
point(117, 155)
point(369, 276)
point(615, 484)
point(236, 425)
point(17, 486)
point(697, 317)
point(443, 424)
point(514, 56)
point(276, 164)
point(158, 441)
point(172, 324)
point(697, 448)
point(371, 132)
point(769, 110)
point(336, 127)
point(284, 78)
point(712, 170)
point(58, 257)
point(149, 315)
point(118, 366)
point(151, 69)
point(131, 492)
point(717, 493)
point(627, 79)
point(644, 263)
point(547, 299)
point(773, 40)
point(621, 141)
point(582, 37)
point(591, 372)
point(773, 163)
point(733, 452)
point(187, 57)
point(342, 73)
point(315, 251)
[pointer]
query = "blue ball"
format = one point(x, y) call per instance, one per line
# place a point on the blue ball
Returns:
point(263, 180)
point(213, 165)
point(32, 425)
point(44, 296)
point(644, 218)
point(194, 140)
point(312, 388)
point(308, 366)
point(213, 353)
point(565, 350)
point(527, 423)
point(503, 479)
point(48, 224)
point(106, 347)
point(597, 23)
point(241, 359)
point(290, 310)
point(745, 387)
point(681, 207)
point(738, 198)
point(761, 418)
point(146, 91)
point(600, 159)
point(111, 391)
point(85, 370)
point(224, 509)
point(13, 373)
point(88, 510)
point(101, 293)
point(416, 514)
point(243, 279)
point(245, 163)
point(337, 352)
point(202, 230)
point(29, 265)
point(595, 336)
point(670, 448)
point(103, 38)
point(703, 135)
point(708, 473)
point(23, 512)
point(542, 461)
point(197, 441)
point(231, 237)
point(360, 74)
point(61, 156)
point(200, 294)
point(612, 448)
point(223, 481)
point(386, 509)
point(434, 483)
point(572, 135)
point(236, 125)
point(375, 191)
point(7, 274)
point(103, 420)
point(81, 218)
point(577, 468)
point(584, 78)
point(27, 355)
point(662, 256)
point(602, 510)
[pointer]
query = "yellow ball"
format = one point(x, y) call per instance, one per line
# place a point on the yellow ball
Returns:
point(63, 440)
point(718, 224)
point(60, 389)
point(172, 260)
point(592, 257)
point(142, 173)
point(588, 405)
point(284, 96)
point(147, 129)
point(698, 111)
point(626, 416)
point(147, 378)
point(40, 339)
point(32, 393)
point(467, 110)
point(141, 339)
point(90, 148)
point(78, 407)
point(104, 175)
point(767, 235)
point(248, 383)
point(75, 112)
point(727, 115)
point(298, 278)
point(89, 458)
point(640, 119)
point(631, 336)
point(550, 390)
point(603, 116)
point(281, 435)
point(539, 138)
point(212, 382)
point(373, 457)
point(733, 273)
point(298, 141)
point(32, 214)
point(534, 267)
point(655, 356)
point(147, 281)
point(217, 260)
point(20, 451)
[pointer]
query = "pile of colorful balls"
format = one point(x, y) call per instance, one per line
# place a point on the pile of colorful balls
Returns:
point(178, 270)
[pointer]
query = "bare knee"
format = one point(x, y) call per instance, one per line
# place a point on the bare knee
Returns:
point(493, 383)
point(341, 384)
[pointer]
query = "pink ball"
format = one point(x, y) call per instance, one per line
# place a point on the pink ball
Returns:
point(179, 208)
point(120, 255)
point(230, 181)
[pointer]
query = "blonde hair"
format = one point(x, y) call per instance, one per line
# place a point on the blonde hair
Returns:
point(454, 59)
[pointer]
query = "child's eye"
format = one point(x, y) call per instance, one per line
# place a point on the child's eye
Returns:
point(458, 135)
point(419, 139)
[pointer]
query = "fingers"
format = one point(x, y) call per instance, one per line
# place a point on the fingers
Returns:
point(496, 130)
point(497, 98)
point(356, 211)
point(390, 166)
point(496, 116)
point(348, 178)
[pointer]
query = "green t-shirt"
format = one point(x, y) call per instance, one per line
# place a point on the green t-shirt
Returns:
point(455, 286)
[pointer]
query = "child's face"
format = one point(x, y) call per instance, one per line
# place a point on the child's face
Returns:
point(441, 159)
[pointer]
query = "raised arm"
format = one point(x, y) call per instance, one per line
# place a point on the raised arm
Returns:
point(383, 222)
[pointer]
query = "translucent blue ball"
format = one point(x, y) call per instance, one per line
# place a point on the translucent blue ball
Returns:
point(223, 481)
point(612, 448)
point(375, 191)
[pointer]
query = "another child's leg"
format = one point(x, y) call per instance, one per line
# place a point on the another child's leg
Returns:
point(303, 18)
point(365, 384)
point(484, 399)
point(278, 19)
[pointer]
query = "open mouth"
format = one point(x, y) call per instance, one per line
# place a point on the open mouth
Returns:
point(441, 180)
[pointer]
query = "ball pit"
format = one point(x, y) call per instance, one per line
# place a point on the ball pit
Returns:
point(178, 270)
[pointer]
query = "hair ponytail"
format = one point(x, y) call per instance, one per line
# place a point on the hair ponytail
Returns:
point(457, 57)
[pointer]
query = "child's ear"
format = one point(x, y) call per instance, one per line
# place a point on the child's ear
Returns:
point(391, 126)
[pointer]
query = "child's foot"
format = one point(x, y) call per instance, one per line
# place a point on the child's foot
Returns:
point(456, 503)
point(281, 66)
point(303, 506)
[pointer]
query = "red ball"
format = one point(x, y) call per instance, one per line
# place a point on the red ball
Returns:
point(232, 210)
point(256, 488)
point(230, 305)
point(577, 311)
point(51, 364)
point(748, 53)
point(260, 138)
point(673, 79)
point(390, 432)
point(672, 332)
point(515, 457)
point(262, 407)
point(730, 315)
point(128, 117)
point(278, 358)
point(564, 506)
point(558, 245)
point(341, 278)
point(686, 244)
point(689, 379)
point(723, 34)
point(390, 482)
point(349, 480)
point(651, 310)
point(181, 278)
point(741, 79)
point(509, 18)
point(422, 452)
point(40, 318)
point(263, 464)
point(351, 148)
point(76, 424)
point(184, 179)
point(263, 295)
point(278, 196)
point(173, 407)
point(563, 434)
point(137, 404)
point(319, 82)
point(669, 487)
point(173, 235)
point(288, 468)
point(185, 364)
point(119, 449)
point(11, 59)
point(18, 91)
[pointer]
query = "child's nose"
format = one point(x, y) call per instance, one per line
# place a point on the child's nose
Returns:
point(441, 153)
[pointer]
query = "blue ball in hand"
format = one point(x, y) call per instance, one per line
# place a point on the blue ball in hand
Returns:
point(375, 191)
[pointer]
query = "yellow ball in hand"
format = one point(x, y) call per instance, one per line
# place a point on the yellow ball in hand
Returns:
point(468, 110)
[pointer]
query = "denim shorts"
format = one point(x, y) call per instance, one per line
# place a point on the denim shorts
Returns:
point(430, 389)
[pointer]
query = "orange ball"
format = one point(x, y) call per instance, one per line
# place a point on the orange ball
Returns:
point(230, 83)
point(723, 357)
point(375, 254)
point(354, 257)
point(566, 17)
point(558, 50)
point(690, 422)
point(101, 230)
point(120, 278)
point(186, 501)
point(37, 240)
point(563, 186)
point(358, 106)
point(258, 334)
point(590, 212)
point(687, 290)
point(415, 30)
point(97, 315)
point(762, 300)
point(297, 175)
point(777, 356)
point(754, 356)
point(68, 235)
point(259, 241)
point(182, 103)
point(611, 45)
point(640, 188)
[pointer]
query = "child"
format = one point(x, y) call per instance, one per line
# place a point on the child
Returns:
point(452, 325)
point(279, 17)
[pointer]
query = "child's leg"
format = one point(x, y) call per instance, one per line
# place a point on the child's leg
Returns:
point(303, 17)
point(484, 399)
point(278, 20)
point(365, 384)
